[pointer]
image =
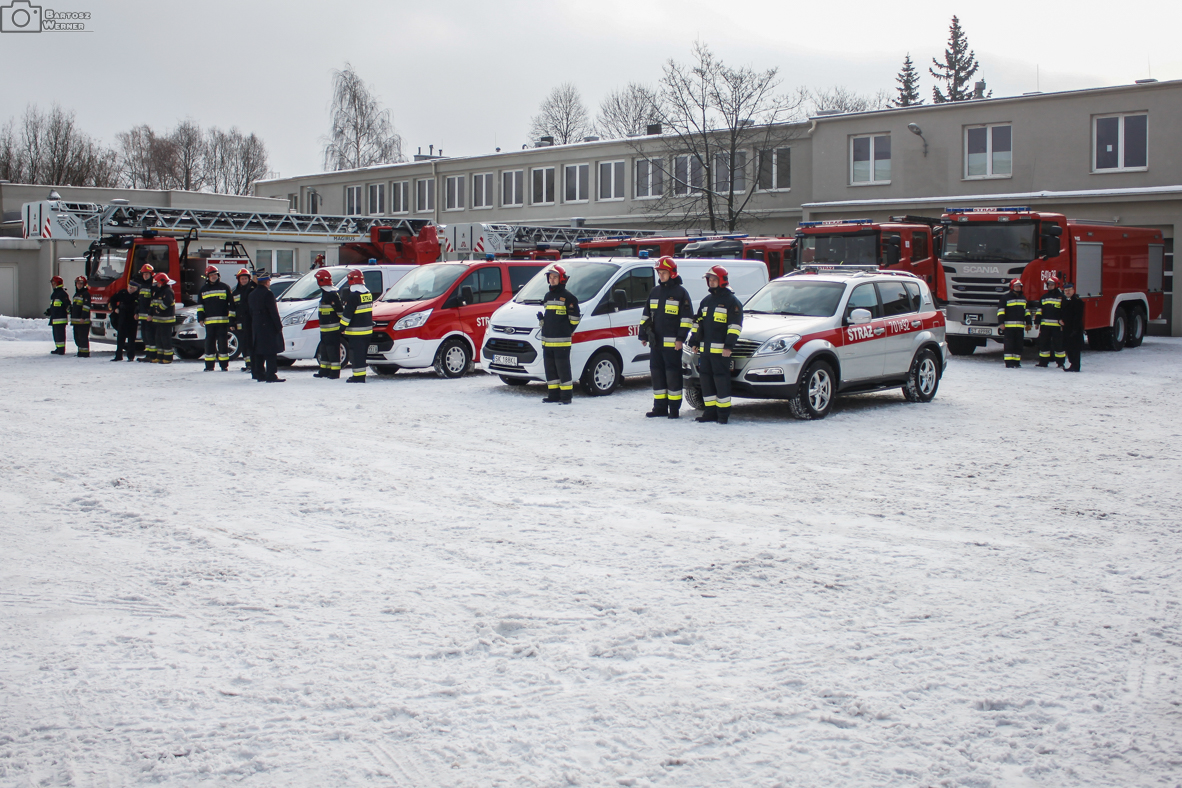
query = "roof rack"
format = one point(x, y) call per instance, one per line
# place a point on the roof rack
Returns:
point(849, 270)
point(834, 222)
point(1007, 209)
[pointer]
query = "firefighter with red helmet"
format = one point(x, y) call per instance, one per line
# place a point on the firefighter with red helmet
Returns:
point(80, 316)
point(667, 318)
point(716, 329)
point(328, 352)
point(558, 322)
point(240, 315)
point(58, 314)
point(1013, 315)
point(1050, 325)
point(357, 320)
point(163, 316)
point(143, 311)
point(215, 305)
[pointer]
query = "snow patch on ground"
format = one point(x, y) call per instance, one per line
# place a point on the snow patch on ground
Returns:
point(25, 329)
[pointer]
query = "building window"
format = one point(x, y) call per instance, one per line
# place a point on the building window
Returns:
point(988, 152)
point(775, 169)
point(482, 190)
point(277, 261)
point(543, 186)
point(611, 180)
point(687, 174)
point(425, 195)
point(650, 178)
point(870, 159)
point(453, 192)
point(400, 197)
point(724, 175)
point(512, 188)
point(293, 202)
point(352, 200)
point(377, 199)
point(577, 178)
point(1122, 142)
point(313, 201)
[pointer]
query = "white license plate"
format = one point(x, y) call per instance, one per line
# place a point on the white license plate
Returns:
point(981, 331)
point(373, 349)
point(506, 361)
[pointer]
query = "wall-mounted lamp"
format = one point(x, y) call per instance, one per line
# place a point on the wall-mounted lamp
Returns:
point(917, 131)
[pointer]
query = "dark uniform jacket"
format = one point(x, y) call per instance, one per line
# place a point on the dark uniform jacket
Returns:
point(240, 312)
point(357, 314)
point(59, 307)
point(143, 299)
point(163, 304)
point(668, 314)
point(560, 318)
point(1013, 310)
point(215, 302)
point(330, 309)
point(122, 307)
point(1050, 307)
point(718, 322)
point(80, 307)
point(1073, 317)
point(264, 322)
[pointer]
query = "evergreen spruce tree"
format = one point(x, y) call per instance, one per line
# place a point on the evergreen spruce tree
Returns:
point(908, 80)
point(957, 70)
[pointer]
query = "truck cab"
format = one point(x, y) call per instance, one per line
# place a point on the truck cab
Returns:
point(905, 243)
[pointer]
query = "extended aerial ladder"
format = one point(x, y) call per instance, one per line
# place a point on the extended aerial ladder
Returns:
point(508, 240)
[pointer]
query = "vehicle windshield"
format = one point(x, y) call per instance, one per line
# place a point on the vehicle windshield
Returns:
point(993, 241)
point(861, 249)
point(106, 268)
point(425, 282)
point(306, 286)
point(586, 279)
point(624, 250)
point(796, 297)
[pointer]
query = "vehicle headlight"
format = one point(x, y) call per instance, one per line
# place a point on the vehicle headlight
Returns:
point(779, 344)
point(413, 321)
point(189, 318)
point(299, 318)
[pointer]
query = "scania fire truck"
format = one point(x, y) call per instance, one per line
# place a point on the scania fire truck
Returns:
point(904, 243)
point(1117, 272)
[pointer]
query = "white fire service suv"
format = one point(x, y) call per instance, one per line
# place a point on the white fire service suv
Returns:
point(606, 343)
point(828, 330)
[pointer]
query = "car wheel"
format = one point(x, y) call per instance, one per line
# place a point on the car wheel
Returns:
point(923, 378)
point(453, 358)
point(1136, 328)
point(232, 346)
point(961, 346)
point(384, 369)
point(693, 396)
point(508, 381)
point(815, 392)
point(601, 375)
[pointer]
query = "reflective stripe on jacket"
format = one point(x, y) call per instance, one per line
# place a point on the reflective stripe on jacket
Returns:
point(718, 322)
point(357, 315)
point(560, 317)
point(215, 303)
point(668, 313)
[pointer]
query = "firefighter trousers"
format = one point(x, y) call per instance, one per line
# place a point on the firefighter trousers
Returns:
point(217, 345)
point(164, 343)
point(1073, 346)
point(82, 339)
point(358, 350)
point(1050, 338)
point(715, 372)
point(59, 338)
point(148, 337)
point(664, 365)
point(1014, 339)
point(328, 354)
point(560, 385)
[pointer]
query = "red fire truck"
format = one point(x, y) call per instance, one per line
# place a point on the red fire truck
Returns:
point(1117, 272)
point(775, 252)
point(904, 243)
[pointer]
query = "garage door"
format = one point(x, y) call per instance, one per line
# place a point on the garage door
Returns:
point(8, 290)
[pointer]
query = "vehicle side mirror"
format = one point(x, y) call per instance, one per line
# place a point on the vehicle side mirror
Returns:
point(620, 298)
point(466, 296)
point(1050, 244)
point(518, 289)
point(859, 317)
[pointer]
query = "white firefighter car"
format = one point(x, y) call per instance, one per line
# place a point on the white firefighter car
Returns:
point(828, 330)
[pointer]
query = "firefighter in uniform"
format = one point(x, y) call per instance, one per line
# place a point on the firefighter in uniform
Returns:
point(122, 307)
point(328, 353)
point(1073, 326)
point(58, 314)
point(716, 328)
point(668, 316)
point(163, 316)
point(357, 320)
point(240, 315)
point(80, 317)
point(143, 313)
point(558, 323)
point(1013, 313)
point(215, 304)
point(1050, 326)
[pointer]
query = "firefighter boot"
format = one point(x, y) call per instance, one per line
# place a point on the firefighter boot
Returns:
point(724, 415)
point(551, 397)
point(566, 395)
point(709, 414)
point(674, 410)
point(209, 365)
point(660, 408)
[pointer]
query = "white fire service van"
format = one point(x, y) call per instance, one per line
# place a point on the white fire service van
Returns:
point(606, 344)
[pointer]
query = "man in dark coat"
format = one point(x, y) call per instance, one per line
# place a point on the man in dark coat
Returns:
point(123, 310)
point(1073, 326)
point(267, 332)
point(240, 316)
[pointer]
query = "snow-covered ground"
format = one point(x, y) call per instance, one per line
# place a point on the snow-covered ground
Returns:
point(422, 582)
point(24, 328)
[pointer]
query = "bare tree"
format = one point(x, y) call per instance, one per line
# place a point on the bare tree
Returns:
point(189, 160)
point(147, 158)
point(362, 133)
point(628, 111)
point(712, 115)
point(234, 161)
point(562, 115)
point(842, 99)
point(50, 148)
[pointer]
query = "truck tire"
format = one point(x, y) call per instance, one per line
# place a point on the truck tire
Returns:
point(454, 359)
point(923, 378)
point(815, 392)
point(508, 381)
point(693, 396)
point(602, 374)
point(1137, 325)
point(961, 346)
point(1119, 331)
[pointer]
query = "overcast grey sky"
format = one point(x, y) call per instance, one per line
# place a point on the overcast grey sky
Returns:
point(467, 75)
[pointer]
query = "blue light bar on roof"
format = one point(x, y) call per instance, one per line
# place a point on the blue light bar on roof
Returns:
point(1010, 209)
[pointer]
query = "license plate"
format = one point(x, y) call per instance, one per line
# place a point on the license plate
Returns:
point(981, 331)
point(373, 349)
point(506, 361)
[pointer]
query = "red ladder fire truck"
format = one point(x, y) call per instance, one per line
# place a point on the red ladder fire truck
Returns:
point(904, 243)
point(474, 240)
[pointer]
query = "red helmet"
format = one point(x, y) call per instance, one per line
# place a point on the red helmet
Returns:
point(56, 281)
point(666, 263)
point(81, 279)
point(212, 269)
point(724, 277)
point(323, 278)
point(355, 277)
point(1015, 282)
point(1054, 282)
point(563, 276)
point(146, 269)
point(160, 279)
point(242, 272)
